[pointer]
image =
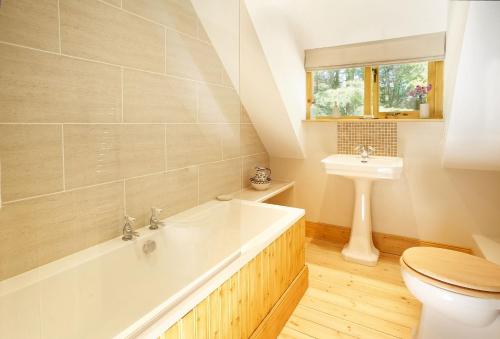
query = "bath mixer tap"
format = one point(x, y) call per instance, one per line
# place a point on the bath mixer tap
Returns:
point(365, 152)
point(154, 221)
point(128, 230)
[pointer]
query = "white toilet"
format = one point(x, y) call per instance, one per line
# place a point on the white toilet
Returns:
point(460, 293)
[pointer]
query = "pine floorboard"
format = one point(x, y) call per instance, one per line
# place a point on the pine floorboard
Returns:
point(347, 300)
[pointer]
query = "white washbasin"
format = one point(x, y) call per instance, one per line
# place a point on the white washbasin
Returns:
point(351, 166)
point(360, 248)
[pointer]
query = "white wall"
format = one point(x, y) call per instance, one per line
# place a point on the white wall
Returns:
point(428, 202)
point(473, 110)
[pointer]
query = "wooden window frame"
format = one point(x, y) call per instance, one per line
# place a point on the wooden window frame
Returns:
point(435, 70)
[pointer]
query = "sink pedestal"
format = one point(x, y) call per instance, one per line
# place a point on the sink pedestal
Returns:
point(363, 172)
point(360, 248)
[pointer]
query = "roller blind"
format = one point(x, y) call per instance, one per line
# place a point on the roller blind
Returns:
point(399, 50)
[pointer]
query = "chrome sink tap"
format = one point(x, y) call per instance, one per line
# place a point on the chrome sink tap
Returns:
point(128, 230)
point(365, 152)
point(154, 221)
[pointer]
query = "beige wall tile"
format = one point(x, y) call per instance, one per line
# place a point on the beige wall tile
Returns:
point(155, 98)
point(176, 14)
point(101, 153)
point(218, 104)
point(30, 23)
point(192, 144)
point(173, 192)
point(250, 141)
point(219, 178)
point(94, 30)
point(249, 164)
point(191, 58)
point(31, 158)
point(36, 231)
point(42, 87)
point(230, 140)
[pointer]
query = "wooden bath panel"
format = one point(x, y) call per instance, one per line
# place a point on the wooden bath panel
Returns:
point(257, 300)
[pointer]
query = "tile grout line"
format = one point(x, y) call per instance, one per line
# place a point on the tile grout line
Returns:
point(63, 159)
point(194, 37)
point(165, 150)
point(121, 80)
point(59, 25)
point(127, 179)
point(165, 50)
point(115, 65)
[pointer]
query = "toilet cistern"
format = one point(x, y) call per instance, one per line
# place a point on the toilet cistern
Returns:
point(363, 170)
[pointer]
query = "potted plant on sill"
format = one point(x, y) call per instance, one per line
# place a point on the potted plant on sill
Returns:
point(421, 93)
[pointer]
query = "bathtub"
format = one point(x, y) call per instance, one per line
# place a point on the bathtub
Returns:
point(140, 288)
point(487, 247)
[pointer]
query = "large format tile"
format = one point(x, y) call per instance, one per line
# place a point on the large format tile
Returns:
point(31, 158)
point(155, 98)
point(191, 58)
point(101, 153)
point(219, 104)
point(219, 178)
point(230, 140)
point(30, 23)
point(192, 144)
point(173, 192)
point(250, 141)
point(36, 231)
point(43, 87)
point(176, 14)
point(91, 29)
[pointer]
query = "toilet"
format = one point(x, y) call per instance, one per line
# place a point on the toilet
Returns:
point(459, 292)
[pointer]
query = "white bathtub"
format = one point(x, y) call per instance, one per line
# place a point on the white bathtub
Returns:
point(114, 289)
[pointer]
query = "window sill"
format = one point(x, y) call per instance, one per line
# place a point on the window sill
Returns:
point(375, 120)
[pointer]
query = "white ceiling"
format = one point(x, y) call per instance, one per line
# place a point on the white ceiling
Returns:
point(323, 23)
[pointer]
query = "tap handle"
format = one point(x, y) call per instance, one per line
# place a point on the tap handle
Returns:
point(371, 150)
point(359, 148)
point(129, 220)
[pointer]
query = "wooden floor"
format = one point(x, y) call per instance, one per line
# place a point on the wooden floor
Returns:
point(347, 300)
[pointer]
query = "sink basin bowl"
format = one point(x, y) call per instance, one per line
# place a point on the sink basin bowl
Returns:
point(360, 248)
point(352, 167)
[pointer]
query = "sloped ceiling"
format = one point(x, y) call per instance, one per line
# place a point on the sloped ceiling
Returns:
point(325, 23)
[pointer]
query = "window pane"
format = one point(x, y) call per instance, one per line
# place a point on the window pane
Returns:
point(395, 84)
point(339, 90)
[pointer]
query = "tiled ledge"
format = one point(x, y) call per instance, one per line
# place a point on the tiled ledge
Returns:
point(259, 196)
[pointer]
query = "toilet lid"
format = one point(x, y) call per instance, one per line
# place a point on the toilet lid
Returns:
point(452, 267)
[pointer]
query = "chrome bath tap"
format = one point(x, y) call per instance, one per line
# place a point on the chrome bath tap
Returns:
point(154, 221)
point(365, 152)
point(128, 230)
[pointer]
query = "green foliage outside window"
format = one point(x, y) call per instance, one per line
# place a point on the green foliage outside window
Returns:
point(342, 90)
point(342, 86)
point(395, 84)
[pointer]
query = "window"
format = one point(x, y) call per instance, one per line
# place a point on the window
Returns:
point(383, 91)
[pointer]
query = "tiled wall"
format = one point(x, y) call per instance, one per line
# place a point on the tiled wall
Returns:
point(109, 108)
point(378, 134)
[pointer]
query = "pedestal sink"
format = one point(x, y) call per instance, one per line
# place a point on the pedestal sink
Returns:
point(360, 248)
